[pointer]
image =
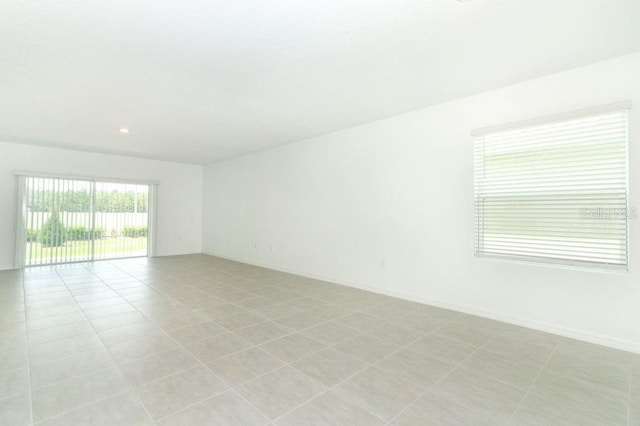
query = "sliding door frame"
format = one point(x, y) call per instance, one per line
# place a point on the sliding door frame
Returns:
point(21, 223)
point(152, 219)
point(21, 209)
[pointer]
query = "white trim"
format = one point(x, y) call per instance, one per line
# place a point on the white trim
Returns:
point(20, 211)
point(572, 333)
point(555, 264)
point(152, 220)
point(617, 106)
point(92, 208)
point(628, 194)
point(106, 179)
point(529, 182)
point(20, 225)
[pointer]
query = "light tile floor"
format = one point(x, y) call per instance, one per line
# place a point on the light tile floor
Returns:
point(195, 340)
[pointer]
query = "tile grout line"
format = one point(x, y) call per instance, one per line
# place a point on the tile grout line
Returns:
point(209, 370)
point(325, 347)
point(238, 274)
point(80, 407)
point(290, 364)
point(72, 378)
point(285, 365)
point(428, 389)
point(26, 331)
point(133, 388)
point(229, 388)
point(333, 347)
point(631, 378)
point(366, 367)
point(293, 332)
point(106, 347)
point(528, 391)
point(234, 388)
point(329, 389)
point(436, 383)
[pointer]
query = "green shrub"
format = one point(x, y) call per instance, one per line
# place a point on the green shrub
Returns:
point(53, 233)
point(134, 231)
point(81, 233)
point(32, 235)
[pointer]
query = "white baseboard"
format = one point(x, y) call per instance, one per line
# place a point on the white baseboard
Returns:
point(179, 254)
point(586, 336)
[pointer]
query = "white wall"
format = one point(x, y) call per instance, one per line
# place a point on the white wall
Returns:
point(179, 212)
point(400, 191)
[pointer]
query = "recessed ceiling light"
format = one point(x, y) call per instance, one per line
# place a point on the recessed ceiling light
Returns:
point(124, 130)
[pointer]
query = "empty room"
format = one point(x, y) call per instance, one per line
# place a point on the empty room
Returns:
point(388, 212)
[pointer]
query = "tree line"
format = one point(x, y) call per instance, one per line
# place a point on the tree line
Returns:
point(80, 201)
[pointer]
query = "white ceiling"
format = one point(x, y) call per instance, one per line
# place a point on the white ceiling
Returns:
point(201, 80)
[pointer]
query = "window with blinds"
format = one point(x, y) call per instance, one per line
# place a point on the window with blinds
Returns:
point(554, 192)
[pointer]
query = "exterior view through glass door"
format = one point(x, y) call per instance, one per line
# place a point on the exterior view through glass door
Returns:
point(69, 220)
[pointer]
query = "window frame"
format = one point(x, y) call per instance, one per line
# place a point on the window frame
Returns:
point(550, 260)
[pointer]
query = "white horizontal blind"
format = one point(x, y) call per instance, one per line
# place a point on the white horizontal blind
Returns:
point(554, 192)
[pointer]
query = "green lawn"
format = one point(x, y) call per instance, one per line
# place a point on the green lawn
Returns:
point(105, 248)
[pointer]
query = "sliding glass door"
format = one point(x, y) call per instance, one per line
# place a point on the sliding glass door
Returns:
point(121, 217)
point(73, 220)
